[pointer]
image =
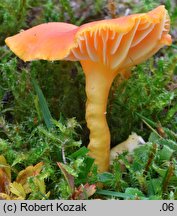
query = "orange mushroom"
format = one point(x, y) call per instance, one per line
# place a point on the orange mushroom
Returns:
point(104, 48)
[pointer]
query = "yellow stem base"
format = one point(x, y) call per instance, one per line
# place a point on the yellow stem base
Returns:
point(98, 83)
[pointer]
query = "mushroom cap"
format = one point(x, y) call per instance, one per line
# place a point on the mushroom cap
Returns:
point(117, 43)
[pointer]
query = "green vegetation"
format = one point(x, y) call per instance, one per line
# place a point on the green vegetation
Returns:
point(42, 114)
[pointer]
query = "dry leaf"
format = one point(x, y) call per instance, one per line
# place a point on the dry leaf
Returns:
point(69, 178)
point(84, 192)
point(18, 190)
point(29, 172)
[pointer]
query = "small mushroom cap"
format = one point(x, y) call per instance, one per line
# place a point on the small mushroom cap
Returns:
point(117, 43)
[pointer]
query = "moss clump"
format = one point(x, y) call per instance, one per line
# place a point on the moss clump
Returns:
point(145, 104)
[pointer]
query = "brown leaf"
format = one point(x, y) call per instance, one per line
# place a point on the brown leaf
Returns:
point(84, 192)
point(69, 178)
point(29, 172)
point(5, 175)
point(4, 196)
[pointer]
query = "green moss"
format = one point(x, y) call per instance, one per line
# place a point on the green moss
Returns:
point(145, 104)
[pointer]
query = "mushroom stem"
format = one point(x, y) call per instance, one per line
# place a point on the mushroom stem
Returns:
point(98, 83)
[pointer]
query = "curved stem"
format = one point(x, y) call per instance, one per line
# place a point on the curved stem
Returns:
point(98, 83)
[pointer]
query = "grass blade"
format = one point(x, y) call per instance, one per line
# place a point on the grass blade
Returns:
point(118, 194)
point(81, 152)
point(43, 105)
